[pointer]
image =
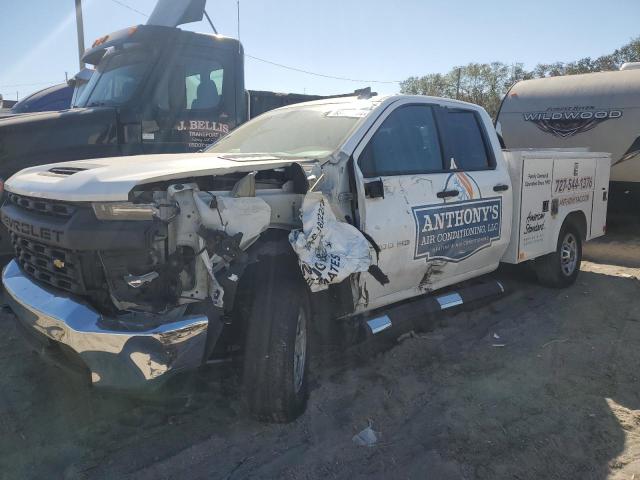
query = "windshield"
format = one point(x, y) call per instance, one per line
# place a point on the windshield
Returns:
point(304, 131)
point(116, 79)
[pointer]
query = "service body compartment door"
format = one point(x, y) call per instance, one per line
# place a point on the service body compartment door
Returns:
point(573, 184)
point(551, 184)
point(600, 198)
point(535, 207)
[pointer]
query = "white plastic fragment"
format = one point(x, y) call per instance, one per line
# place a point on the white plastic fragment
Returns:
point(366, 438)
point(247, 215)
point(328, 250)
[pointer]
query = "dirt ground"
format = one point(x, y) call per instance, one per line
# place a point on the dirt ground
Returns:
point(538, 384)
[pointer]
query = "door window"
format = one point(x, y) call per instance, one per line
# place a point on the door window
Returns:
point(194, 84)
point(464, 140)
point(203, 84)
point(406, 143)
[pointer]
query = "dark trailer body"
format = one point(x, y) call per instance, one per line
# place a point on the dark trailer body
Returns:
point(141, 99)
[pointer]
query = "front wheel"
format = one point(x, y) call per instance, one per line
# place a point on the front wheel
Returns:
point(560, 268)
point(276, 357)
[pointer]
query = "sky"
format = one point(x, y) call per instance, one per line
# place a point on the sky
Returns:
point(385, 41)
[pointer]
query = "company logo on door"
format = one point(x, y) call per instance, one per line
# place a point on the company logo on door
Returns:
point(456, 231)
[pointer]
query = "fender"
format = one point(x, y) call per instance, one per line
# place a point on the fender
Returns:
point(579, 219)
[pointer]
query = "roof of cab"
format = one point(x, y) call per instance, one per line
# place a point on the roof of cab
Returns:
point(375, 101)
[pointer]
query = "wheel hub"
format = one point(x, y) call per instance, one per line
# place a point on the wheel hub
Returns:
point(569, 254)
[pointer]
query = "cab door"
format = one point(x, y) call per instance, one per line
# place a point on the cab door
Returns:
point(600, 195)
point(478, 191)
point(399, 173)
point(194, 102)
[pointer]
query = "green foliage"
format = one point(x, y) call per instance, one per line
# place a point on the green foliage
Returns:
point(486, 83)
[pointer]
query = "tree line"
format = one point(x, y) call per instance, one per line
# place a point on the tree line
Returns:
point(486, 83)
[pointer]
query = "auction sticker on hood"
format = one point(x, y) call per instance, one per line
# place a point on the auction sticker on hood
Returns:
point(455, 231)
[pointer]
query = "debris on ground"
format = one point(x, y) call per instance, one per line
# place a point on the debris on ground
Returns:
point(366, 437)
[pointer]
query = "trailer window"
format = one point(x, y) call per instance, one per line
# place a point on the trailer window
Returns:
point(464, 140)
point(406, 143)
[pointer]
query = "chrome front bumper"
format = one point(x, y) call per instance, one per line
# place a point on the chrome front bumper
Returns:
point(116, 358)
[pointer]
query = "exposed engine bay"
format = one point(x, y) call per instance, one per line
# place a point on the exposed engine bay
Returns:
point(199, 236)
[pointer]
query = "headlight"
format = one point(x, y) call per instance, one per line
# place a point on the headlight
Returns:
point(124, 211)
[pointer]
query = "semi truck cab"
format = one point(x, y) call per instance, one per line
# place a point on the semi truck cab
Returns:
point(173, 90)
point(156, 89)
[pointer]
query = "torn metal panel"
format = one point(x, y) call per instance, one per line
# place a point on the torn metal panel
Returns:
point(247, 215)
point(328, 250)
point(218, 228)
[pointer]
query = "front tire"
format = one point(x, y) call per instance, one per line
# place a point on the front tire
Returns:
point(276, 357)
point(560, 268)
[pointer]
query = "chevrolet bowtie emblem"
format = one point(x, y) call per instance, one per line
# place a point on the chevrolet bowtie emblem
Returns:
point(58, 263)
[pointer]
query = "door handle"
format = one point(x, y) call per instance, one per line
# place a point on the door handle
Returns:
point(500, 188)
point(448, 193)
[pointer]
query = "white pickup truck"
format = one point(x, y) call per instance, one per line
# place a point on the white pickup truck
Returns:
point(310, 222)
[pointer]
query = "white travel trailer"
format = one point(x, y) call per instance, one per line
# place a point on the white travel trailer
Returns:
point(599, 111)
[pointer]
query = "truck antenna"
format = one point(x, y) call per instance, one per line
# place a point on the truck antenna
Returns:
point(210, 22)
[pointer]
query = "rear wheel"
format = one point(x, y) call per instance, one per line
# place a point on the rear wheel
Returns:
point(276, 358)
point(560, 268)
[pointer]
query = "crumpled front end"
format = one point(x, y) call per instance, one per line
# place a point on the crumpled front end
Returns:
point(115, 355)
point(141, 288)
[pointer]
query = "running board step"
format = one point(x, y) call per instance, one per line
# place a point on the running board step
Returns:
point(406, 313)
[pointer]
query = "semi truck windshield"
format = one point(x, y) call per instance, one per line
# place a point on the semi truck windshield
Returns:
point(116, 79)
point(309, 131)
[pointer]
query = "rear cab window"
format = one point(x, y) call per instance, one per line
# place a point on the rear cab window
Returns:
point(465, 142)
point(424, 138)
point(193, 83)
point(203, 84)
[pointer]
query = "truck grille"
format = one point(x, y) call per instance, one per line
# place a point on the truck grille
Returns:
point(40, 205)
point(52, 265)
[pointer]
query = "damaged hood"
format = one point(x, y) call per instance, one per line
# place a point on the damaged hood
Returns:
point(111, 179)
